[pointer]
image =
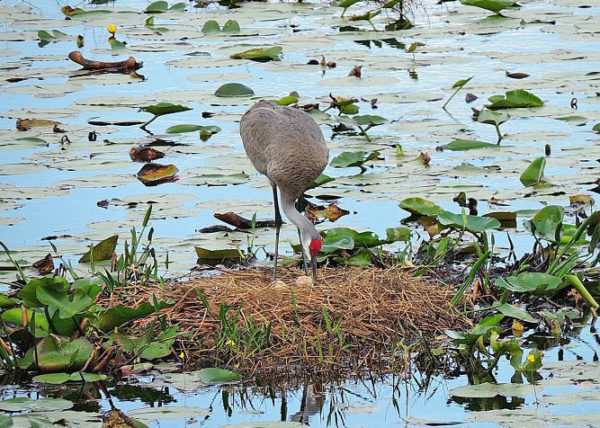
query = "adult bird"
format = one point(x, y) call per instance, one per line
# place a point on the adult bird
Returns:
point(287, 146)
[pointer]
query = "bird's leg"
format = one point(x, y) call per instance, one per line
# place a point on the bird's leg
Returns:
point(303, 254)
point(278, 223)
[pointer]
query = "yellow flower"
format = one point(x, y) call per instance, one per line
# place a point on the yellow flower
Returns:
point(182, 355)
point(112, 28)
point(531, 358)
point(230, 342)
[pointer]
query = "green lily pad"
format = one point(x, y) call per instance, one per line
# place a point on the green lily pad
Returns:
point(546, 222)
point(534, 173)
point(179, 129)
point(461, 145)
point(216, 375)
point(19, 404)
point(161, 109)
point(234, 90)
point(118, 315)
point(471, 223)
point(491, 117)
point(515, 312)
point(348, 159)
point(104, 250)
point(491, 5)
point(211, 27)
point(260, 54)
point(531, 282)
point(518, 98)
point(157, 7)
point(60, 378)
point(206, 254)
point(231, 26)
point(420, 206)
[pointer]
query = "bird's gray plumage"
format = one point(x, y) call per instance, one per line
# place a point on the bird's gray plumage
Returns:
point(287, 146)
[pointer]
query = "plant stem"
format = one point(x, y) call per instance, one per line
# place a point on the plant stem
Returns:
point(143, 126)
point(451, 96)
point(498, 132)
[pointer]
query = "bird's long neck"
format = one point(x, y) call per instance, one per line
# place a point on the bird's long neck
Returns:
point(307, 229)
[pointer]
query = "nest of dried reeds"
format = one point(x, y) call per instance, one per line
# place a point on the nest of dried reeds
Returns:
point(350, 317)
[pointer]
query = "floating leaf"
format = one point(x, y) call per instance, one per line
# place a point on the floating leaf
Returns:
point(490, 390)
point(216, 179)
point(161, 109)
point(145, 154)
point(154, 173)
point(231, 26)
point(491, 117)
point(320, 180)
point(102, 251)
point(120, 314)
point(472, 223)
point(369, 119)
point(596, 128)
point(546, 223)
point(531, 282)
point(534, 173)
point(491, 5)
point(515, 312)
point(20, 404)
point(506, 218)
point(27, 124)
point(206, 254)
point(178, 129)
point(331, 213)
point(348, 159)
point(157, 7)
point(461, 145)
point(420, 206)
point(57, 353)
point(574, 120)
point(260, 54)
point(518, 98)
point(234, 90)
point(211, 27)
point(216, 375)
point(286, 101)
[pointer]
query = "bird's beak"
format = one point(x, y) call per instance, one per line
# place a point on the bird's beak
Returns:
point(313, 264)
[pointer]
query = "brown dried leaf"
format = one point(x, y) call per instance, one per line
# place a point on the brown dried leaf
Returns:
point(27, 124)
point(331, 213)
point(516, 75)
point(145, 154)
point(45, 265)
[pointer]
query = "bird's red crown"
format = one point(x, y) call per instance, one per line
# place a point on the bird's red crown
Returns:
point(315, 247)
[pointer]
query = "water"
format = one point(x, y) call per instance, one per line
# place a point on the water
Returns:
point(459, 42)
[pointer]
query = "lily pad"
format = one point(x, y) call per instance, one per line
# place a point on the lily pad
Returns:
point(491, 5)
point(518, 98)
point(420, 206)
point(531, 282)
point(490, 390)
point(260, 54)
point(461, 145)
point(206, 254)
point(178, 129)
point(471, 223)
point(234, 90)
point(102, 251)
point(161, 109)
point(534, 173)
point(216, 375)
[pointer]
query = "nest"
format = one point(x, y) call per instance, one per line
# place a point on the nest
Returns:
point(351, 316)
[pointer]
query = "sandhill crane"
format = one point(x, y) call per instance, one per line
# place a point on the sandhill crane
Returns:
point(287, 146)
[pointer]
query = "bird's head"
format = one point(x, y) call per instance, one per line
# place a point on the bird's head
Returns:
point(312, 243)
point(315, 246)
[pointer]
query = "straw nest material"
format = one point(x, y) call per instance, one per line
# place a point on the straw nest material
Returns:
point(349, 317)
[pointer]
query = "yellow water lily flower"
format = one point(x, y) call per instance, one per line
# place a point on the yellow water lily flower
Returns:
point(112, 28)
point(531, 358)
